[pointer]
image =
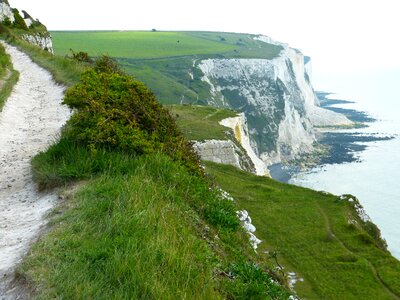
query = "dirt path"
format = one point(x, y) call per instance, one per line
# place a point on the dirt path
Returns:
point(29, 122)
point(329, 230)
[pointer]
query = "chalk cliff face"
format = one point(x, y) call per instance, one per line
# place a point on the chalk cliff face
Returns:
point(236, 151)
point(276, 97)
point(225, 152)
point(5, 11)
point(42, 40)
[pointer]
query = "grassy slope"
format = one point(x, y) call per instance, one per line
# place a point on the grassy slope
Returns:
point(140, 228)
point(201, 122)
point(312, 234)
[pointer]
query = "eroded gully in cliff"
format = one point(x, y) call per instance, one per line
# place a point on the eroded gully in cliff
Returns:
point(29, 122)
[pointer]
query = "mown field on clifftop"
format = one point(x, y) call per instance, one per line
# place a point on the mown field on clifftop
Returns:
point(151, 45)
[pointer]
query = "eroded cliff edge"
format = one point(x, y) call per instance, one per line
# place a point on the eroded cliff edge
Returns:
point(276, 97)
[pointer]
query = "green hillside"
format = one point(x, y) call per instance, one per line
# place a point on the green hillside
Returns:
point(317, 235)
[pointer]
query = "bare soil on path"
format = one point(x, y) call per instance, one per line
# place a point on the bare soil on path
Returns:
point(30, 121)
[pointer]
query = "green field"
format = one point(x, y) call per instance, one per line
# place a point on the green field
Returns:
point(201, 122)
point(147, 45)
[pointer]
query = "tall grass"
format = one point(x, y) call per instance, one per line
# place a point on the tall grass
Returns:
point(141, 228)
point(7, 87)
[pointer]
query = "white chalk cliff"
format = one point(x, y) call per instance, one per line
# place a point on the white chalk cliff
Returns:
point(6, 11)
point(277, 99)
point(43, 41)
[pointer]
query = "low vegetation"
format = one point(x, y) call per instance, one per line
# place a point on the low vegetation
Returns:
point(201, 122)
point(317, 235)
point(8, 76)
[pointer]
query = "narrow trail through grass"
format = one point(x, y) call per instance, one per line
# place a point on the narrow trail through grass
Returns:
point(331, 233)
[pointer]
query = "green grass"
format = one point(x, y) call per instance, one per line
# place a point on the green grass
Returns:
point(139, 228)
point(312, 234)
point(5, 62)
point(8, 76)
point(201, 122)
point(7, 87)
point(148, 45)
point(135, 44)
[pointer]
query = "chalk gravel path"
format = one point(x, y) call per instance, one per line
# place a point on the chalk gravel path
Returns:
point(29, 123)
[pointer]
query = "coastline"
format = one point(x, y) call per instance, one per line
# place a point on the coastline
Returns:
point(343, 145)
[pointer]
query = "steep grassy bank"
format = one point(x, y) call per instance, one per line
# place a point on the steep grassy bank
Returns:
point(143, 228)
point(317, 235)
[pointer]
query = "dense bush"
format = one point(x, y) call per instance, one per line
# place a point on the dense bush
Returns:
point(81, 56)
point(19, 21)
point(7, 21)
point(116, 112)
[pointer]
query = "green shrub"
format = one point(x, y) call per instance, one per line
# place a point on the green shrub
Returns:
point(81, 56)
point(249, 281)
point(7, 21)
point(116, 112)
point(19, 21)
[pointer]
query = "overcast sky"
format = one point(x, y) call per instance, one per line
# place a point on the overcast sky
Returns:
point(339, 35)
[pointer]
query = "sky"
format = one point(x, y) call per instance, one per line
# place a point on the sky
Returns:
point(350, 36)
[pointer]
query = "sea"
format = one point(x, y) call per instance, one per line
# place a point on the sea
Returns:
point(373, 173)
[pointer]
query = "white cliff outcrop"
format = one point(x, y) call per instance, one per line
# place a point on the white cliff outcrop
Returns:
point(219, 151)
point(276, 98)
point(239, 154)
point(6, 11)
point(43, 41)
point(239, 127)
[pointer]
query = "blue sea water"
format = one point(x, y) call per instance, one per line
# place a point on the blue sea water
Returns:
point(375, 178)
